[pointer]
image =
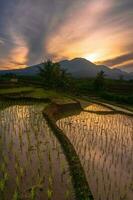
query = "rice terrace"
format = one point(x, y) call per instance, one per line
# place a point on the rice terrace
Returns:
point(56, 146)
point(66, 100)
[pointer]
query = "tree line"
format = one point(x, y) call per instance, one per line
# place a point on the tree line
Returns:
point(55, 77)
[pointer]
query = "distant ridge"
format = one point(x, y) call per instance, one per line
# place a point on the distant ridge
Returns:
point(78, 67)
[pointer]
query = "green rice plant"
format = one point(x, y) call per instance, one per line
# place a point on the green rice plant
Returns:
point(17, 159)
point(17, 166)
point(6, 176)
point(17, 182)
point(3, 168)
point(16, 195)
point(33, 193)
point(67, 195)
point(42, 180)
point(50, 181)
point(49, 194)
point(2, 185)
point(28, 139)
point(21, 172)
point(24, 123)
point(63, 167)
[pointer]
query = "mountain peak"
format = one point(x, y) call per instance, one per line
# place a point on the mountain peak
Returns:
point(78, 59)
point(78, 67)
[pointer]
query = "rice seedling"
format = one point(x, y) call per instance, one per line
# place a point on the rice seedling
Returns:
point(67, 195)
point(33, 193)
point(104, 146)
point(16, 195)
point(2, 185)
point(28, 156)
point(49, 194)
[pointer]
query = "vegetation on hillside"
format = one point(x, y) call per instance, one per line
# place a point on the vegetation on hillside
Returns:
point(53, 78)
point(99, 83)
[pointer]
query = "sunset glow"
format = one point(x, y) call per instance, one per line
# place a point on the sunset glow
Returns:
point(97, 30)
point(66, 99)
point(94, 57)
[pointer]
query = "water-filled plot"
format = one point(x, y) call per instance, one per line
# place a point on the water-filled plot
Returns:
point(32, 164)
point(104, 142)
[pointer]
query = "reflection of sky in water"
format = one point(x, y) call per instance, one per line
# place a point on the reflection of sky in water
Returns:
point(104, 144)
point(26, 139)
point(96, 107)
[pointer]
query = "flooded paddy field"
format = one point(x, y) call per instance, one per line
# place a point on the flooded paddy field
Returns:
point(103, 141)
point(32, 163)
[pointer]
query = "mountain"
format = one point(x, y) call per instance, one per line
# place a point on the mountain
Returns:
point(127, 68)
point(32, 70)
point(78, 67)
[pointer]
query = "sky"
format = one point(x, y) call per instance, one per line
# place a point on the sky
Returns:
point(35, 30)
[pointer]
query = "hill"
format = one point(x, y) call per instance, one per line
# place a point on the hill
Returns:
point(78, 67)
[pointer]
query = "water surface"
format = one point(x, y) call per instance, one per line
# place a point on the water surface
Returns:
point(104, 142)
point(32, 164)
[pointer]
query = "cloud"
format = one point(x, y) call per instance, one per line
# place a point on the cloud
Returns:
point(128, 67)
point(1, 41)
point(37, 29)
point(17, 53)
point(118, 60)
point(34, 21)
point(92, 30)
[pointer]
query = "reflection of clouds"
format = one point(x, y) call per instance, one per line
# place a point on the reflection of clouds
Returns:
point(104, 146)
point(95, 107)
point(28, 145)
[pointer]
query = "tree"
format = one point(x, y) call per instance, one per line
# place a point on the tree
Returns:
point(99, 81)
point(45, 72)
point(121, 78)
point(53, 76)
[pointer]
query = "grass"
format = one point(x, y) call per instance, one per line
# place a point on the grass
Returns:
point(36, 93)
point(55, 96)
point(16, 90)
point(126, 106)
point(122, 99)
point(87, 100)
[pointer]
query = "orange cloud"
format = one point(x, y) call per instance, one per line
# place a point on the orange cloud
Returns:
point(17, 57)
point(93, 29)
point(81, 35)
